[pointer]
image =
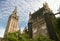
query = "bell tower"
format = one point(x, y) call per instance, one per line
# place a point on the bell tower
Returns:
point(12, 25)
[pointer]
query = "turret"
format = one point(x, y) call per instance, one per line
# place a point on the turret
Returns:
point(45, 5)
point(30, 16)
point(25, 31)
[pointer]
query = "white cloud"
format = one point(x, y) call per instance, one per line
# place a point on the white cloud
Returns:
point(27, 6)
point(2, 32)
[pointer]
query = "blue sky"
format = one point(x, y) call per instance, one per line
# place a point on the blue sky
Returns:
point(23, 8)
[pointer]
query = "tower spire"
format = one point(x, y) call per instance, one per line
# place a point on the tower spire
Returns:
point(45, 5)
point(30, 15)
point(15, 10)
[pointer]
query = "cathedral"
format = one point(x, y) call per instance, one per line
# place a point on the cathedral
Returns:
point(12, 25)
point(41, 22)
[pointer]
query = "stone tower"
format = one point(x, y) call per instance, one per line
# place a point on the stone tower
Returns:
point(37, 24)
point(12, 25)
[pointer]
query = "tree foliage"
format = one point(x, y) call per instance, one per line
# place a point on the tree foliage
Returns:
point(57, 24)
point(17, 36)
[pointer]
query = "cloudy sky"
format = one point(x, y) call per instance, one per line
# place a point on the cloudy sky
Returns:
point(23, 8)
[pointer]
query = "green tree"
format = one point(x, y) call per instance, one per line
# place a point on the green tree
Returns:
point(17, 36)
point(58, 24)
point(42, 38)
point(11, 37)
